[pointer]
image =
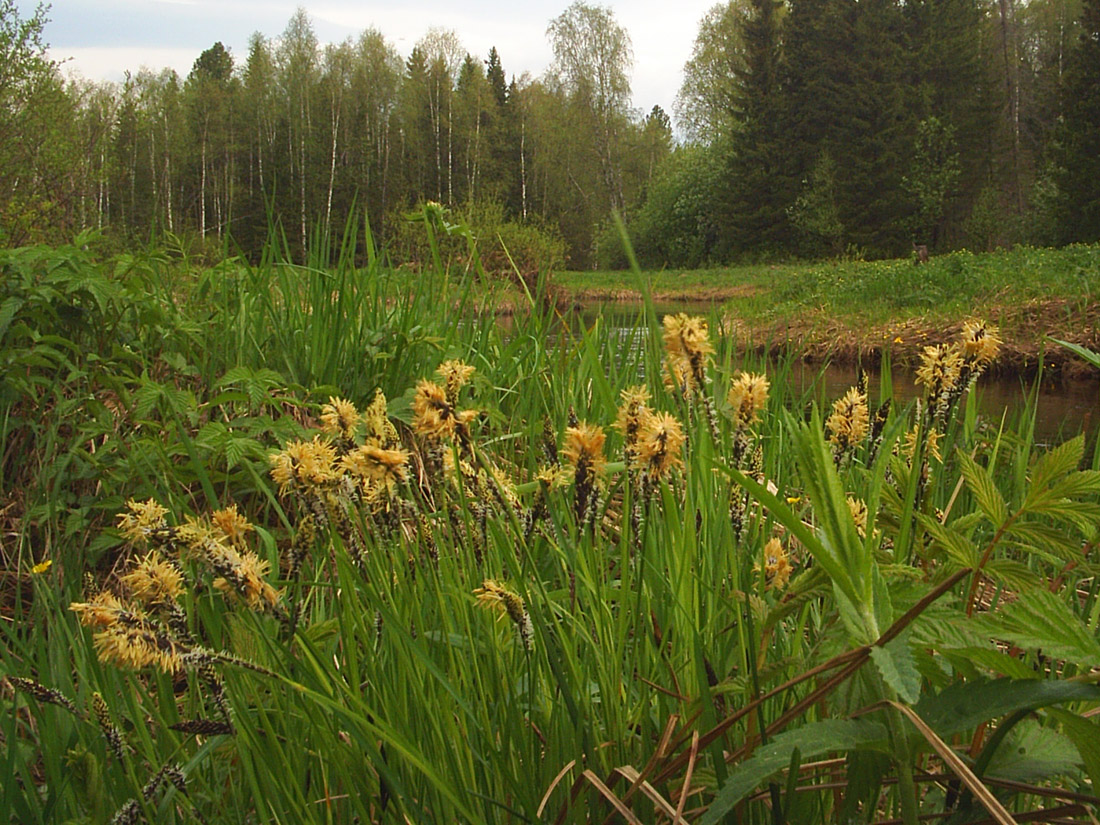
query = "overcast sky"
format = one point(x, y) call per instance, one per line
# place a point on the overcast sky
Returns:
point(101, 39)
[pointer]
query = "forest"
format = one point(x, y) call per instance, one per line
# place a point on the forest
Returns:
point(802, 129)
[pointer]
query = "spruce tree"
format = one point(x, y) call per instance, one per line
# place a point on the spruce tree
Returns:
point(1079, 177)
point(759, 190)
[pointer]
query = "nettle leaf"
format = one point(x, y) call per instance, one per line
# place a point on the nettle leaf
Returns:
point(898, 668)
point(1032, 752)
point(985, 492)
point(812, 740)
point(965, 705)
point(1042, 621)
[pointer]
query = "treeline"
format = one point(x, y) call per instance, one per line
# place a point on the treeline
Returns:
point(825, 127)
point(813, 127)
point(305, 134)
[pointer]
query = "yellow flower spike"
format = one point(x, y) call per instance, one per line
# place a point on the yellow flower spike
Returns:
point(138, 646)
point(747, 397)
point(848, 424)
point(980, 341)
point(377, 467)
point(104, 609)
point(455, 375)
point(632, 413)
point(143, 518)
point(939, 369)
point(659, 445)
point(859, 515)
point(433, 416)
point(154, 581)
point(687, 336)
point(340, 418)
point(379, 429)
point(42, 567)
point(231, 523)
point(584, 447)
point(494, 597)
point(777, 564)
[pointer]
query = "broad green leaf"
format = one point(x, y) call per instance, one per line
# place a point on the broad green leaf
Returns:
point(1085, 735)
point(1031, 752)
point(812, 740)
point(965, 705)
point(1043, 621)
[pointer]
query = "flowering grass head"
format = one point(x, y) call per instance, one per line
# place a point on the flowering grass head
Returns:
point(339, 418)
point(141, 520)
point(455, 375)
point(154, 581)
point(850, 419)
point(660, 442)
point(584, 448)
point(498, 599)
point(747, 398)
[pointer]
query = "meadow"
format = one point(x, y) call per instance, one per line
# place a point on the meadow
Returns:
point(313, 543)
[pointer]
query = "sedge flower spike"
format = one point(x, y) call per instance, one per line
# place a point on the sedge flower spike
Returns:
point(747, 397)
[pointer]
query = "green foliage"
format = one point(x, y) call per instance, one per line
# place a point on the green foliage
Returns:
point(677, 226)
point(652, 633)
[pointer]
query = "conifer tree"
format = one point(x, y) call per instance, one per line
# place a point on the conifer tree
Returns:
point(760, 188)
point(1079, 177)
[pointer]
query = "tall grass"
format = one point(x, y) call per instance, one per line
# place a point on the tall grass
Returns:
point(668, 674)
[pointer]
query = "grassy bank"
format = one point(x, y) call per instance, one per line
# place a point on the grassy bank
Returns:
point(858, 310)
point(302, 543)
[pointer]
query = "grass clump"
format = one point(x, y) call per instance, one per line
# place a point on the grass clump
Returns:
point(531, 577)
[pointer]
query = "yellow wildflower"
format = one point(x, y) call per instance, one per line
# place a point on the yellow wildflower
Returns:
point(154, 581)
point(143, 518)
point(340, 418)
point(980, 341)
point(42, 567)
point(455, 375)
point(777, 565)
point(584, 447)
point(495, 597)
point(659, 444)
point(747, 397)
point(849, 421)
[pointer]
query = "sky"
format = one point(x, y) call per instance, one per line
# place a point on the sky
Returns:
point(102, 39)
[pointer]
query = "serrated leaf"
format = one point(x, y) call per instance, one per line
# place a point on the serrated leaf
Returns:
point(994, 660)
point(959, 548)
point(898, 668)
point(1031, 752)
point(985, 492)
point(1042, 621)
point(965, 705)
point(1085, 735)
point(1012, 574)
point(1065, 458)
point(812, 740)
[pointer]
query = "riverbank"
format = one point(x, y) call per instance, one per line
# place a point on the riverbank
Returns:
point(861, 311)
